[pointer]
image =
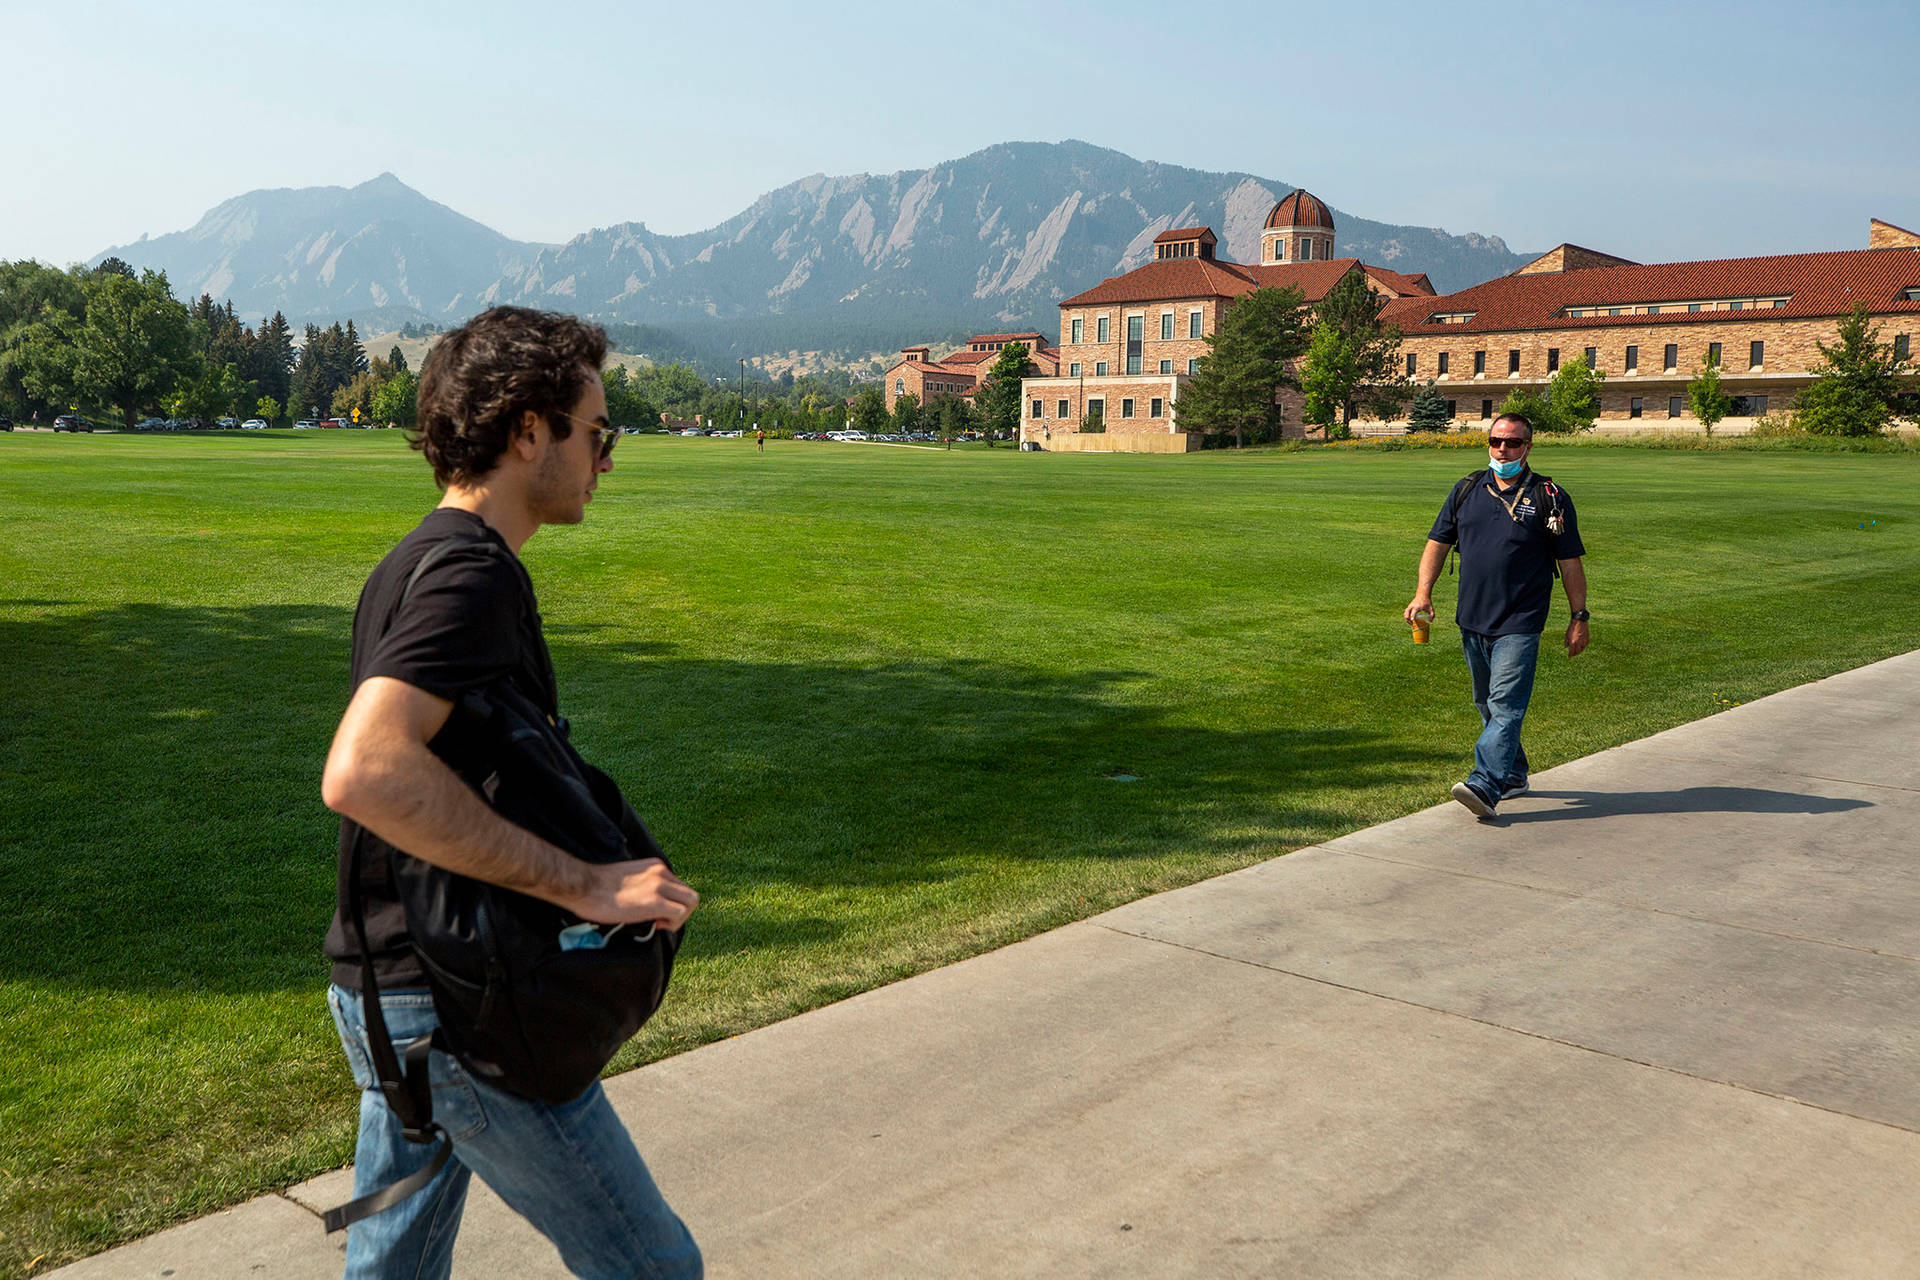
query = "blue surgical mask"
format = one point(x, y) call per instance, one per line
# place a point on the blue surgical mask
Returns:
point(1506, 470)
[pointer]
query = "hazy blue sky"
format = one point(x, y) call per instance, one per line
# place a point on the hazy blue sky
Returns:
point(1657, 131)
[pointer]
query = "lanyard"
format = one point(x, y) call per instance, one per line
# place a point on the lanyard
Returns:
point(1519, 496)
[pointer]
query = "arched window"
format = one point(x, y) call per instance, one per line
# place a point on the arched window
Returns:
point(899, 386)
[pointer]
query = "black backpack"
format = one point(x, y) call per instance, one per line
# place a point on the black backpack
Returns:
point(515, 1008)
point(1468, 483)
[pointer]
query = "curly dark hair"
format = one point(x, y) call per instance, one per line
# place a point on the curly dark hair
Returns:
point(479, 379)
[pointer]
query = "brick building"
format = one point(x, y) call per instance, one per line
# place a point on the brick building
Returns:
point(1129, 344)
point(916, 373)
point(1648, 329)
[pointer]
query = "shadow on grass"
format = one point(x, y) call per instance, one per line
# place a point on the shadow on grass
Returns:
point(161, 827)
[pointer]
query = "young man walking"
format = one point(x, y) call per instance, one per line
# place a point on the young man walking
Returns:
point(513, 419)
point(1513, 527)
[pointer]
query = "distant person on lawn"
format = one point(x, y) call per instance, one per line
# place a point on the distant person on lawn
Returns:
point(1513, 528)
point(513, 418)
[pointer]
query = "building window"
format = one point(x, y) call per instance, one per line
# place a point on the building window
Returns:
point(1443, 364)
point(1193, 365)
point(1486, 408)
point(1713, 353)
point(1553, 359)
point(1126, 406)
point(1693, 306)
point(1166, 366)
point(1156, 406)
point(1676, 405)
point(1079, 329)
point(1166, 325)
point(1103, 328)
point(1063, 410)
point(1635, 406)
point(1756, 354)
point(1633, 359)
point(1452, 412)
point(1513, 361)
point(1038, 409)
point(1736, 306)
point(1672, 357)
point(1479, 363)
point(1193, 324)
point(1759, 406)
point(1073, 370)
point(1136, 338)
point(1900, 346)
point(1593, 357)
point(1097, 404)
point(1413, 364)
point(1099, 368)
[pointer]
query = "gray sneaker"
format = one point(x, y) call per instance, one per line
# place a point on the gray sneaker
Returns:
point(1476, 804)
point(1518, 787)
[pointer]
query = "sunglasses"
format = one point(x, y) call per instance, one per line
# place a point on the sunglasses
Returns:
point(604, 438)
point(1509, 442)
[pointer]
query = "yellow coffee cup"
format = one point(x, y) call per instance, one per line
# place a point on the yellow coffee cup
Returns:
point(1422, 625)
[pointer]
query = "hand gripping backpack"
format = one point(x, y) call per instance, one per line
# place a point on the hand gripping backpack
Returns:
point(516, 1007)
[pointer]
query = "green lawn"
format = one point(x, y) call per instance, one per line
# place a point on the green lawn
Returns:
point(867, 697)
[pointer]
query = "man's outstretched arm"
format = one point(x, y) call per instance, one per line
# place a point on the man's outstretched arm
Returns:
point(381, 774)
point(1430, 561)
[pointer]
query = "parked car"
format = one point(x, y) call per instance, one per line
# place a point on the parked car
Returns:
point(229, 423)
point(254, 424)
point(150, 424)
point(6, 424)
point(330, 423)
point(305, 424)
point(71, 422)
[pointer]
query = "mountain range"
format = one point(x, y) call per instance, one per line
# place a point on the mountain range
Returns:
point(852, 265)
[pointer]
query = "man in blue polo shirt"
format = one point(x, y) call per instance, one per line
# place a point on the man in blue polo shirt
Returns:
point(1512, 526)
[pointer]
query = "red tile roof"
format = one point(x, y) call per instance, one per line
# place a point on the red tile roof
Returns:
point(1186, 233)
point(1814, 284)
point(1400, 283)
point(972, 357)
point(1181, 278)
point(1004, 337)
point(1300, 209)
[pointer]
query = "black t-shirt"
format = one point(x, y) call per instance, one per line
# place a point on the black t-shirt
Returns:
point(1506, 560)
point(470, 620)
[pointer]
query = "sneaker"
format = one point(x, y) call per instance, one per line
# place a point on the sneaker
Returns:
point(1518, 787)
point(1477, 804)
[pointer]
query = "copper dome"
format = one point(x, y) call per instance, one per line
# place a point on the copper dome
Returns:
point(1300, 209)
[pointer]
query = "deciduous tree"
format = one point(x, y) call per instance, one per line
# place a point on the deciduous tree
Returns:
point(1859, 383)
point(998, 399)
point(1705, 397)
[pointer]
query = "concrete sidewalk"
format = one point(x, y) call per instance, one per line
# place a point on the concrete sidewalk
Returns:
point(1659, 1019)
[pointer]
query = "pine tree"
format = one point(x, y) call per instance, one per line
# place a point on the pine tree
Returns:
point(1359, 357)
point(1246, 364)
point(1429, 410)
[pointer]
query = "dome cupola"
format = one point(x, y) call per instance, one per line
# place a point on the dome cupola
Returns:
point(1300, 229)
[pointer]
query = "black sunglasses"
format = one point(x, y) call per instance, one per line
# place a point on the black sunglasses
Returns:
point(604, 437)
point(1509, 442)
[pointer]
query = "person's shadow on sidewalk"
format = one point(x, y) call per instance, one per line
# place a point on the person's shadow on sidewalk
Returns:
point(1612, 804)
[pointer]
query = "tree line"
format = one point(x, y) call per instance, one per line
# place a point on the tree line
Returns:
point(113, 342)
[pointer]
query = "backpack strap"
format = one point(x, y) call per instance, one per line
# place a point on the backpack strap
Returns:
point(1465, 486)
point(408, 1089)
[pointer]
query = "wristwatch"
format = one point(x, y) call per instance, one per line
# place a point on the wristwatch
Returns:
point(1581, 615)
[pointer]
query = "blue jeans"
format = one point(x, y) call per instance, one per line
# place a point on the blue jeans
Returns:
point(1502, 671)
point(572, 1171)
